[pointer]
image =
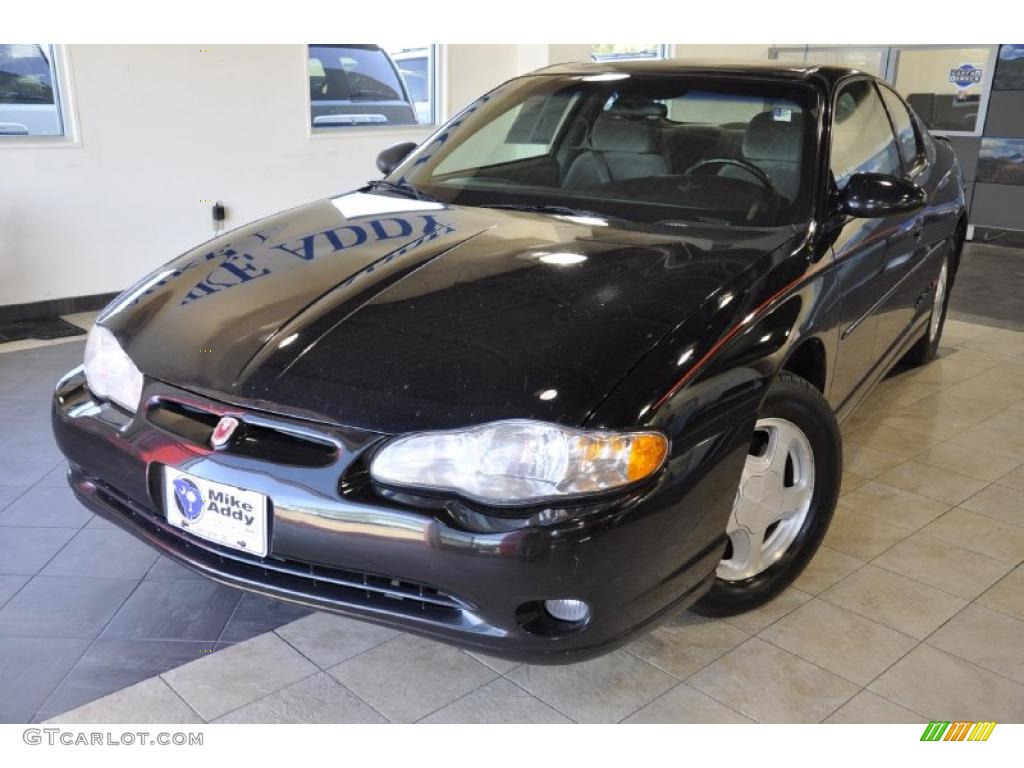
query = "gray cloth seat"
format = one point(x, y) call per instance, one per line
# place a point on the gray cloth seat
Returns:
point(620, 148)
point(774, 146)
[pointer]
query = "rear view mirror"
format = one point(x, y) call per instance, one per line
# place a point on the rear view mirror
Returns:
point(873, 195)
point(391, 157)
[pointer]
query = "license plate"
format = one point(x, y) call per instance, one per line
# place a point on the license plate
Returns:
point(220, 513)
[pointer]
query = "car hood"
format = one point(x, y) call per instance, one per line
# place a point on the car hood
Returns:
point(392, 314)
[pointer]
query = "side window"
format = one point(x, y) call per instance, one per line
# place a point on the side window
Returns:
point(905, 133)
point(862, 138)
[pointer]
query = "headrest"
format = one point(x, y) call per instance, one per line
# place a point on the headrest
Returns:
point(618, 134)
point(638, 108)
point(774, 136)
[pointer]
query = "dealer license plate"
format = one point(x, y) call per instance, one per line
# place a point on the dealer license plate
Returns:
point(223, 514)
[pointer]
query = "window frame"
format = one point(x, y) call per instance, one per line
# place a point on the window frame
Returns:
point(66, 106)
point(439, 107)
point(839, 87)
point(920, 159)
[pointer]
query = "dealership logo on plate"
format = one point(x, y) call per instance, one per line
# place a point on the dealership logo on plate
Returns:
point(188, 499)
point(222, 434)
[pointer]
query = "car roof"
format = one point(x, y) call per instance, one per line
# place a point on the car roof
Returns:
point(828, 75)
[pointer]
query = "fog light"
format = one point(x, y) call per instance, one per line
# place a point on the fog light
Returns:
point(567, 610)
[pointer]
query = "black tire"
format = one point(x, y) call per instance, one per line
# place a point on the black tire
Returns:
point(927, 347)
point(798, 401)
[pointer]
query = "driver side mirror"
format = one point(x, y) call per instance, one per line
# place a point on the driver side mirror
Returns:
point(391, 157)
point(874, 195)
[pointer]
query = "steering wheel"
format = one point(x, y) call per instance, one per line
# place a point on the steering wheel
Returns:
point(738, 162)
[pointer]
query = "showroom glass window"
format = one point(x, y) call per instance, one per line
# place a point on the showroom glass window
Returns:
point(628, 51)
point(862, 138)
point(945, 86)
point(906, 135)
point(366, 85)
point(29, 96)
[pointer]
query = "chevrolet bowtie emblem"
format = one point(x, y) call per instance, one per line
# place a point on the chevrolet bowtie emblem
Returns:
point(222, 433)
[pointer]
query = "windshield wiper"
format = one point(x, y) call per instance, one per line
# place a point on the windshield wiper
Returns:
point(558, 210)
point(399, 188)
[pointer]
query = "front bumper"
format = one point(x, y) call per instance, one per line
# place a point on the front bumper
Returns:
point(450, 572)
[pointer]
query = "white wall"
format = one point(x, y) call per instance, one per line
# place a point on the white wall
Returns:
point(164, 130)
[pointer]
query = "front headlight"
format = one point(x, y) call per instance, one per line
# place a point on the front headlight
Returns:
point(511, 463)
point(109, 372)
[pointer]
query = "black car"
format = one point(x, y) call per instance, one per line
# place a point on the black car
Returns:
point(574, 365)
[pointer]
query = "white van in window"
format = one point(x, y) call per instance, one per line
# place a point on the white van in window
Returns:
point(356, 85)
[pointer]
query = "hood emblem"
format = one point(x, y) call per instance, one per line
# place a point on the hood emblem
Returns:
point(222, 433)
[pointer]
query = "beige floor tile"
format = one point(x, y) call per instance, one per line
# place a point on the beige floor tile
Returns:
point(900, 603)
point(893, 441)
point(955, 366)
point(773, 686)
point(687, 644)
point(497, 702)
point(684, 704)
point(327, 640)
point(932, 427)
point(850, 481)
point(1000, 502)
point(151, 701)
point(224, 681)
point(409, 677)
point(501, 666)
point(826, 568)
point(979, 464)
point(1013, 479)
point(865, 461)
point(895, 393)
point(870, 708)
point(962, 329)
point(991, 435)
point(999, 342)
point(317, 699)
point(931, 482)
point(602, 690)
point(991, 388)
point(988, 638)
point(851, 646)
point(861, 535)
point(942, 565)
point(945, 687)
point(894, 505)
point(759, 618)
point(980, 533)
point(1008, 595)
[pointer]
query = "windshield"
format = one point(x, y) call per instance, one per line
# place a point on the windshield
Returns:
point(650, 147)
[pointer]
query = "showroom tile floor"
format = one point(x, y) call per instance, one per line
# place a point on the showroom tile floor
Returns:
point(913, 610)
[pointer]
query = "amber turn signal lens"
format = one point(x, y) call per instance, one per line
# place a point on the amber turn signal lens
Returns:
point(646, 455)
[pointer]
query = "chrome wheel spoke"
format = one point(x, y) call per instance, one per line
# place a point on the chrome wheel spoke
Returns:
point(773, 500)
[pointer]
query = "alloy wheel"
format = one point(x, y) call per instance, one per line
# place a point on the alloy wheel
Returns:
point(772, 502)
point(937, 303)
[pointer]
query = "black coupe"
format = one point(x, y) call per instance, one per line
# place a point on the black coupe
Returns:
point(574, 364)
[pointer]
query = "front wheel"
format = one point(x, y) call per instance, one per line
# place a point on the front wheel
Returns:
point(786, 497)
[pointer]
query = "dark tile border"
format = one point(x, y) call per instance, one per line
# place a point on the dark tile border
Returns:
point(55, 307)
